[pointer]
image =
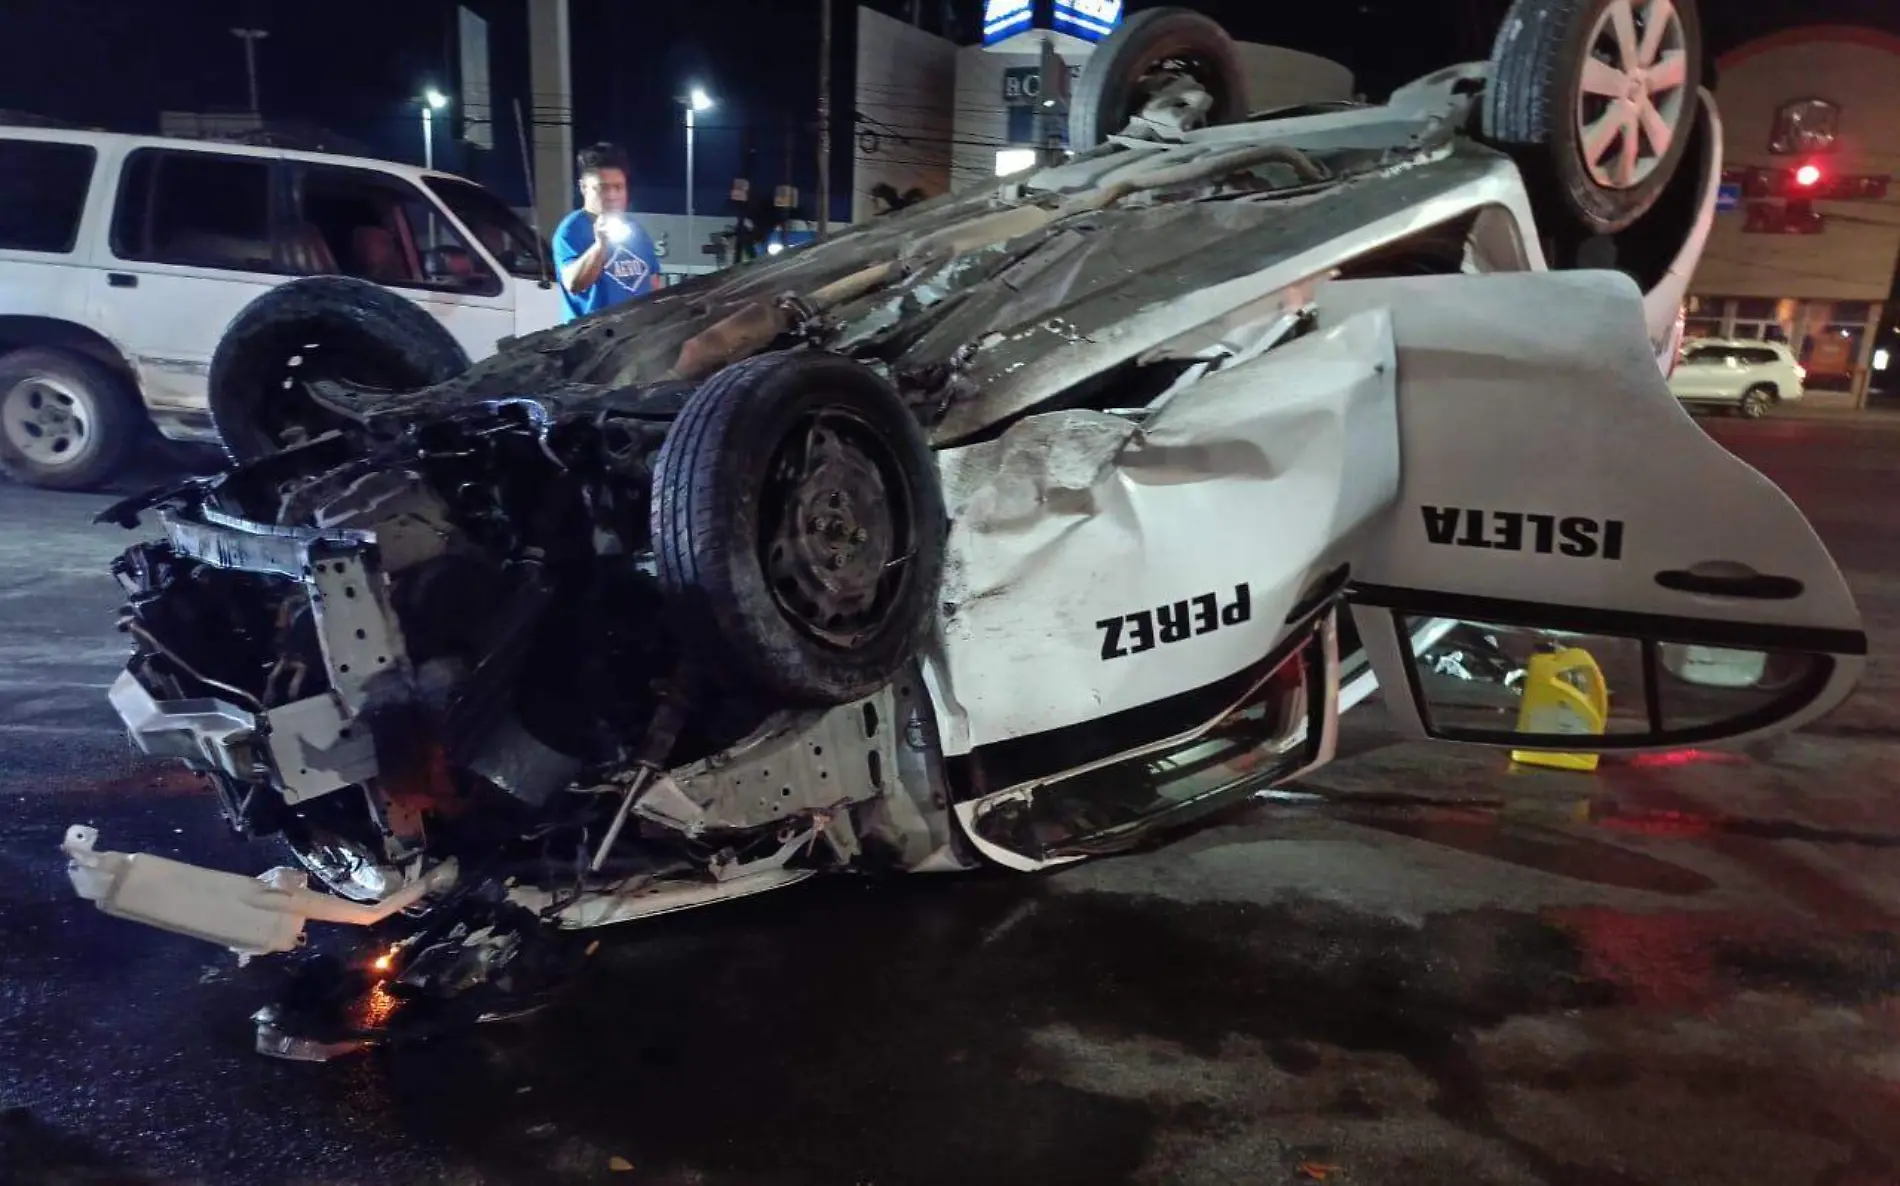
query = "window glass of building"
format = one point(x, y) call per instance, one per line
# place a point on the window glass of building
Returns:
point(196, 209)
point(43, 188)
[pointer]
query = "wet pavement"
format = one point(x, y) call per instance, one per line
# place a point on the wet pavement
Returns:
point(1419, 967)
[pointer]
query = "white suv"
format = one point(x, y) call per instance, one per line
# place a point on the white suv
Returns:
point(123, 259)
point(1747, 375)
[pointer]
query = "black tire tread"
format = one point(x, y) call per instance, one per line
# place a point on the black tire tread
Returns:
point(338, 306)
point(1108, 66)
point(120, 418)
point(1526, 101)
point(700, 557)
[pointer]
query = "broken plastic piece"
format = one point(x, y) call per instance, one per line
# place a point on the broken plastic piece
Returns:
point(250, 915)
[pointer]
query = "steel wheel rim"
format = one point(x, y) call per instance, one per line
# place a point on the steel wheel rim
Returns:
point(49, 421)
point(837, 533)
point(1633, 91)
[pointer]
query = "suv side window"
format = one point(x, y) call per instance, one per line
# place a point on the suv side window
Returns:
point(376, 227)
point(1707, 356)
point(197, 209)
point(1760, 358)
point(43, 187)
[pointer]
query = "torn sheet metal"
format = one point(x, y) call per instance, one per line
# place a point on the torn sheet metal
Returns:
point(1095, 566)
point(316, 750)
point(1115, 315)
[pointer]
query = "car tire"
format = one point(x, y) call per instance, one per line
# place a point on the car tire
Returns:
point(1755, 402)
point(1544, 87)
point(1111, 89)
point(747, 556)
point(67, 421)
point(319, 327)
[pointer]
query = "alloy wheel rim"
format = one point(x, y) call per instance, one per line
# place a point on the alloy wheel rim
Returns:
point(1633, 91)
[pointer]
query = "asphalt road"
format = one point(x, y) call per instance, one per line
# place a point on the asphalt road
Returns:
point(1672, 972)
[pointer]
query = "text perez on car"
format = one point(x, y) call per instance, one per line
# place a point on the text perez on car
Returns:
point(1523, 531)
point(1143, 630)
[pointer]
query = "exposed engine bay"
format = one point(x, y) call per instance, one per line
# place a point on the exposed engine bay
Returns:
point(454, 646)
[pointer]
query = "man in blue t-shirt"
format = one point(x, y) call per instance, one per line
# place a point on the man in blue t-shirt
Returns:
point(604, 257)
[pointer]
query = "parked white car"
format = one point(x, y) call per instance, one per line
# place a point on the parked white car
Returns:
point(124, 258)
point(1746, 375)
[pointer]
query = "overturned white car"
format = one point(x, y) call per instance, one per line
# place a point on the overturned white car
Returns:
point(1007, 530)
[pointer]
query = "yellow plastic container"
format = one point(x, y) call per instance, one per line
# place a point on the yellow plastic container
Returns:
point(1564, 694)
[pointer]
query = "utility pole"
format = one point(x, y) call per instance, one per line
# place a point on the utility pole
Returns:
point(824, 119)
point(251, 37)
point(791, 145)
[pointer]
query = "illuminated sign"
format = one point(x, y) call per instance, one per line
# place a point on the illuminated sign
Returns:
point(1091, 20)
point(1086, 20)
point(1022, 85)
point(1005, 18)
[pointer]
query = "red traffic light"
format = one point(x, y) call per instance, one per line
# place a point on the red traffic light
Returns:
point(1807, 176)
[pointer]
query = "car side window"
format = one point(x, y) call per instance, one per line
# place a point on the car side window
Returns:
point(43, 186)
point(1761, 358)
point(1492, 682)
point(1706, 356)
point(360, 223)
point(196, 209)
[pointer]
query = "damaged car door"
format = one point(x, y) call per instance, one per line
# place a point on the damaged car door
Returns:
point(1137, 611)
point(1618, 580)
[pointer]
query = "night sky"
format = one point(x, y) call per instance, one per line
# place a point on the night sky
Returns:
point(353, 65)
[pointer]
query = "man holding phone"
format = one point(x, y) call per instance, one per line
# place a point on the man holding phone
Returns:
point(603, 256)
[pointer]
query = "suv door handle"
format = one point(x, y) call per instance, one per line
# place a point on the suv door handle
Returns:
point(122, 280)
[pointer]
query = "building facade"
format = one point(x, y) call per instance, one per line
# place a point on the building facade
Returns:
point(1805, 245)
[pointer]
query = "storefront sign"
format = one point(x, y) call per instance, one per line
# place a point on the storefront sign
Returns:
point(1006, 18)
point(1091, 20)
point(1022, 85)
point(1086, 20)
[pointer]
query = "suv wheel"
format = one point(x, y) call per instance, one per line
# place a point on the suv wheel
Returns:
point(1755, 402)
point(66, 420)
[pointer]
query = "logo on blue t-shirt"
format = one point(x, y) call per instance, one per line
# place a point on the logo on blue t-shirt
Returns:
point(627, 269)
point(628, 273)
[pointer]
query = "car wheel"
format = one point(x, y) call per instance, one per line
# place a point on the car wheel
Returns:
point(67, 421)
point(1597, 101)
point(1151, 53)
point(319, 327)
point(798, 526)
point(1755, 402)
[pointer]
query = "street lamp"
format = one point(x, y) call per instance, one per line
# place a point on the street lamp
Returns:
point(251, 37)
point(695, 101)
point(432, 101)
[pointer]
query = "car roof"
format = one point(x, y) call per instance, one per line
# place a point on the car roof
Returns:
point(126, 142)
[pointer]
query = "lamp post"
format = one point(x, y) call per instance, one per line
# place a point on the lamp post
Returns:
point(432, 101)
point(251, 37)
point(695, 101)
